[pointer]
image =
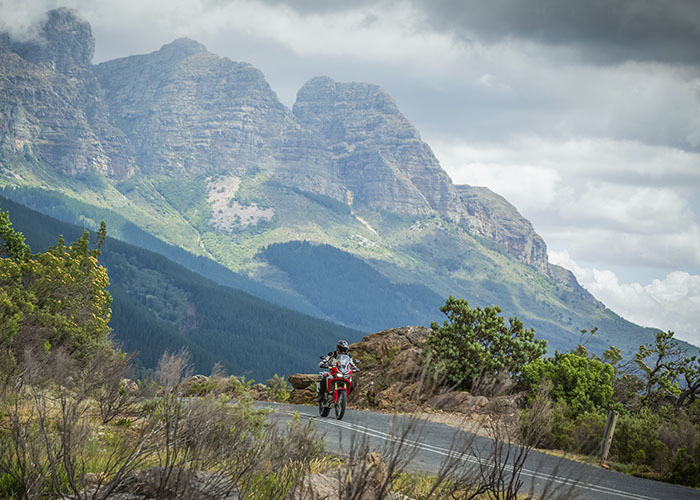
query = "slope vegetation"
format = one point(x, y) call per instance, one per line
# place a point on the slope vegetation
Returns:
point(159, 305)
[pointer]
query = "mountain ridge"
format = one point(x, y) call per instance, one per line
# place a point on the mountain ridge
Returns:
point(218, 166)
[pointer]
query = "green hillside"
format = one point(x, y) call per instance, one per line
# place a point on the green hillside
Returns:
point(159, 305)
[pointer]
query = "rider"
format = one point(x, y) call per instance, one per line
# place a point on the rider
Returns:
point(331, 358)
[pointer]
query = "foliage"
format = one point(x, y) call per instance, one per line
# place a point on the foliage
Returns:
point(13, 244)
point(561, 432)
point(239, 385)
point(584, 383)
point(200, 448)
point(690, 371)
point(660, 363)
point(636, 440)
point(55, 299)
point(476, 342)
point(278, 389)
point(203, 387)
point(684, 469)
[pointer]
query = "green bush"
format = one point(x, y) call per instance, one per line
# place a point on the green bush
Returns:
point(584, 383)
point(581, 435)
point(477, 343)
point(684, 469)
point(202, 388)
point(239, 385)
point(636, 441)
point(278, 389)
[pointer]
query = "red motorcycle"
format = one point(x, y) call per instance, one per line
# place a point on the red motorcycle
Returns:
point(337, 384)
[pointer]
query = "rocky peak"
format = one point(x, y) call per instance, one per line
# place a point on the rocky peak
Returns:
point(50, 102)
point(190, 111)
point(65, 43)
point(378, 153)
point(320, 101)
point(490, 216)
point(182, 47)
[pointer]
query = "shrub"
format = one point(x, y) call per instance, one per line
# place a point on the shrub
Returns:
point(278, 389)
point(584, 383)
point(239, 385)
point(684, 469)
point(636, 440)
point(202, 388)
point(477, 343)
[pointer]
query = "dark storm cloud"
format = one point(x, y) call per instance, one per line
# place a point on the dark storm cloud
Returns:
point(601, 30)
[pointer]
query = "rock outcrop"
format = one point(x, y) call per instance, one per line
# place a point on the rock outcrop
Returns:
point(491, 216)
point(50, 105)
point(378, 153)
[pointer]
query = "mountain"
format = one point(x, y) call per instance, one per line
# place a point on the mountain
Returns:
point(159, 305)
point(336, 207)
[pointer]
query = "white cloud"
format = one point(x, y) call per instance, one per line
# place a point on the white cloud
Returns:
point(606, 202)
point(671, 303)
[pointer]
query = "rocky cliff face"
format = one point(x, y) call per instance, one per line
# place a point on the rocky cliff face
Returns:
point(50, 103)
point(491, 216)
point(188, 111)
point(378, 153)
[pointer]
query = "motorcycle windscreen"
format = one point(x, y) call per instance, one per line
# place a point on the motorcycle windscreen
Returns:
point(344, 362)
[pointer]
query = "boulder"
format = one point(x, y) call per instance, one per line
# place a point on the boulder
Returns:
point(302, 397)
point(303, 380)
point(399, 396)
point(184, 387)
point(384, 346)
point(130, 386)
point(259, 392)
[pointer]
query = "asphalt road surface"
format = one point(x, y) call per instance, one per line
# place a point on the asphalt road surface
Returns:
point(431, 443)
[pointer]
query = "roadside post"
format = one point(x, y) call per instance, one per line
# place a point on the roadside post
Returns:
point(607, 437)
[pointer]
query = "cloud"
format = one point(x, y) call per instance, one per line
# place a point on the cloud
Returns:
point(605, 201)
point(20, 23)
point(671, 303)
point(602, 31)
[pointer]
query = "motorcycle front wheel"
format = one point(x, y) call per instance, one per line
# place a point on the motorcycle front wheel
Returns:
point(340, 405)
point(323, 410)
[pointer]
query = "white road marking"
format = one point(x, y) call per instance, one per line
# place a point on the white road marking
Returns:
point(469, 458)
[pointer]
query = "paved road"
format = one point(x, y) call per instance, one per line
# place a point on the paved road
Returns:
point(431, 444)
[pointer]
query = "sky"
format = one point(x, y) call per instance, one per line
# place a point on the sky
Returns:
point(584, 115)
